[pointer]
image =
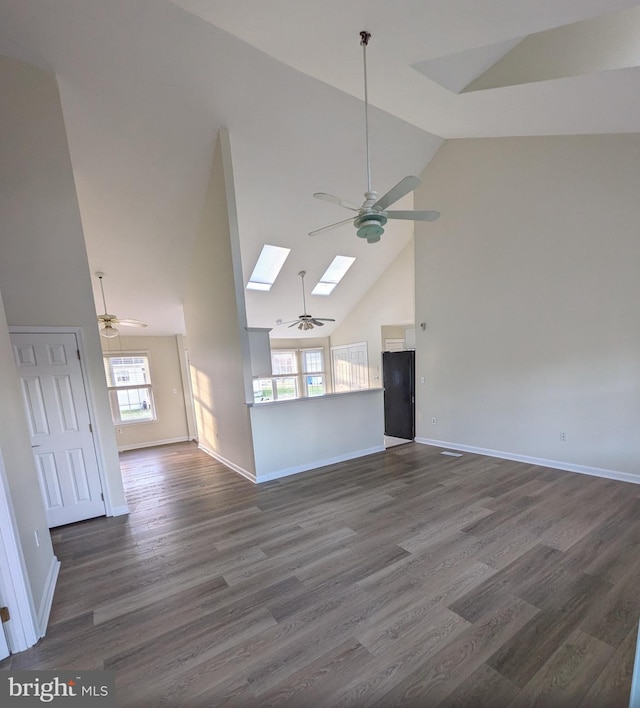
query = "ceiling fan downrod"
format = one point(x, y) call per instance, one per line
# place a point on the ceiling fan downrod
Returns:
point(364, 41)
point(371, 218)
point(302, 273)
point(100, 276)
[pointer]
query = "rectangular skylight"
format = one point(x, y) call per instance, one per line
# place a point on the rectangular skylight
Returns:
point(333, 275)
point(268, 266)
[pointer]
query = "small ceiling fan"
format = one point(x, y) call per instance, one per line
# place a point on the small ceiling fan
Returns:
point(109, 321)
point(306, 322)
point(372, 216)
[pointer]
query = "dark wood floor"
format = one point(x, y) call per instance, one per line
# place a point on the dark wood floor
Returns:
point(403, 578)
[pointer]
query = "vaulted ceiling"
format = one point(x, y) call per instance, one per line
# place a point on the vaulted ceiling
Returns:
point(146, 85)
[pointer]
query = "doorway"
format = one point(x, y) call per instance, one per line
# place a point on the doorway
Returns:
point(398, 377)
point(57, 413)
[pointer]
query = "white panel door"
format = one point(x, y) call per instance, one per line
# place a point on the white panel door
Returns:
point(58, 418)
point(359, 367)
point(350, 367)
point(341, 369)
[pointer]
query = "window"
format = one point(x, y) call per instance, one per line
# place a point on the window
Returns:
point(129, 386)
point(394, 345)
point(276, 388)
point(313, 370)
point(284, 361)
point(267, 267)
point(333, 275)
point(296, 373)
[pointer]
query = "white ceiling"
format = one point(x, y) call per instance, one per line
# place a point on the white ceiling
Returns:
point(146, 85)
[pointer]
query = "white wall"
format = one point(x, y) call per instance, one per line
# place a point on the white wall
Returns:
point(306, 433)
point(44, 273)
point(597, 44)
point(529, 286)
point(215, 323)
point(390, 301)
point(168, 394)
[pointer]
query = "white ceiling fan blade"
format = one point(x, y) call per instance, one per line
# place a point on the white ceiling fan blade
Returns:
point(413, 215)
point(331, 226)
point(322, 319)
point(336, 200)
point(295, 322)
point(128, 322)
point(404, 186)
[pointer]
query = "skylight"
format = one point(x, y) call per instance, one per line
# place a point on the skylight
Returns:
point(267, 267)
point(333, 275)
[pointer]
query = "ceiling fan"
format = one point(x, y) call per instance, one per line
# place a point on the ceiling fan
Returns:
point(306, 322)
point(372, 216)
point(108, 321)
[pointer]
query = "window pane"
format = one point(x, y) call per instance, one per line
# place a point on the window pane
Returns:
point(283, 362)
point(132, 405)
point(262, 390)
point(312, 361)
point(315, 385)
point(126, 370)
point(286, 388)
point(267, 267)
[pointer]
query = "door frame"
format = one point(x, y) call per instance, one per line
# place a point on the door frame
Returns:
point(22, 629)
point(86, 380)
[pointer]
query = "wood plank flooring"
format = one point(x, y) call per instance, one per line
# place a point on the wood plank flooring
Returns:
point(407, 578)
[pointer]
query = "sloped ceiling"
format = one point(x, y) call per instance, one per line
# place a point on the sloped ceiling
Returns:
point(145, 87)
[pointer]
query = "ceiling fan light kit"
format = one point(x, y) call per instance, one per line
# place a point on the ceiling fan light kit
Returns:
point(371, 217)
point(109, 331)
point(370, 226)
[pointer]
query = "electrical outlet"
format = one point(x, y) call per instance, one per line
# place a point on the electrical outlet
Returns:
point(563, 437)
point(434, 421)
point(119, 431)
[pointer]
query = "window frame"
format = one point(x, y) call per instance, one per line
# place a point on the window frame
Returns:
point(299, 375)
point(113, 390)
point(308, 374)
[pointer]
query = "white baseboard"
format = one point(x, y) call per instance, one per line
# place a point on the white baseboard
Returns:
point(277, 474)
point(154, 443)
point(227, 463)
point(542, 462)
point(287, 472)
point(47, 596)
point(119, 510)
